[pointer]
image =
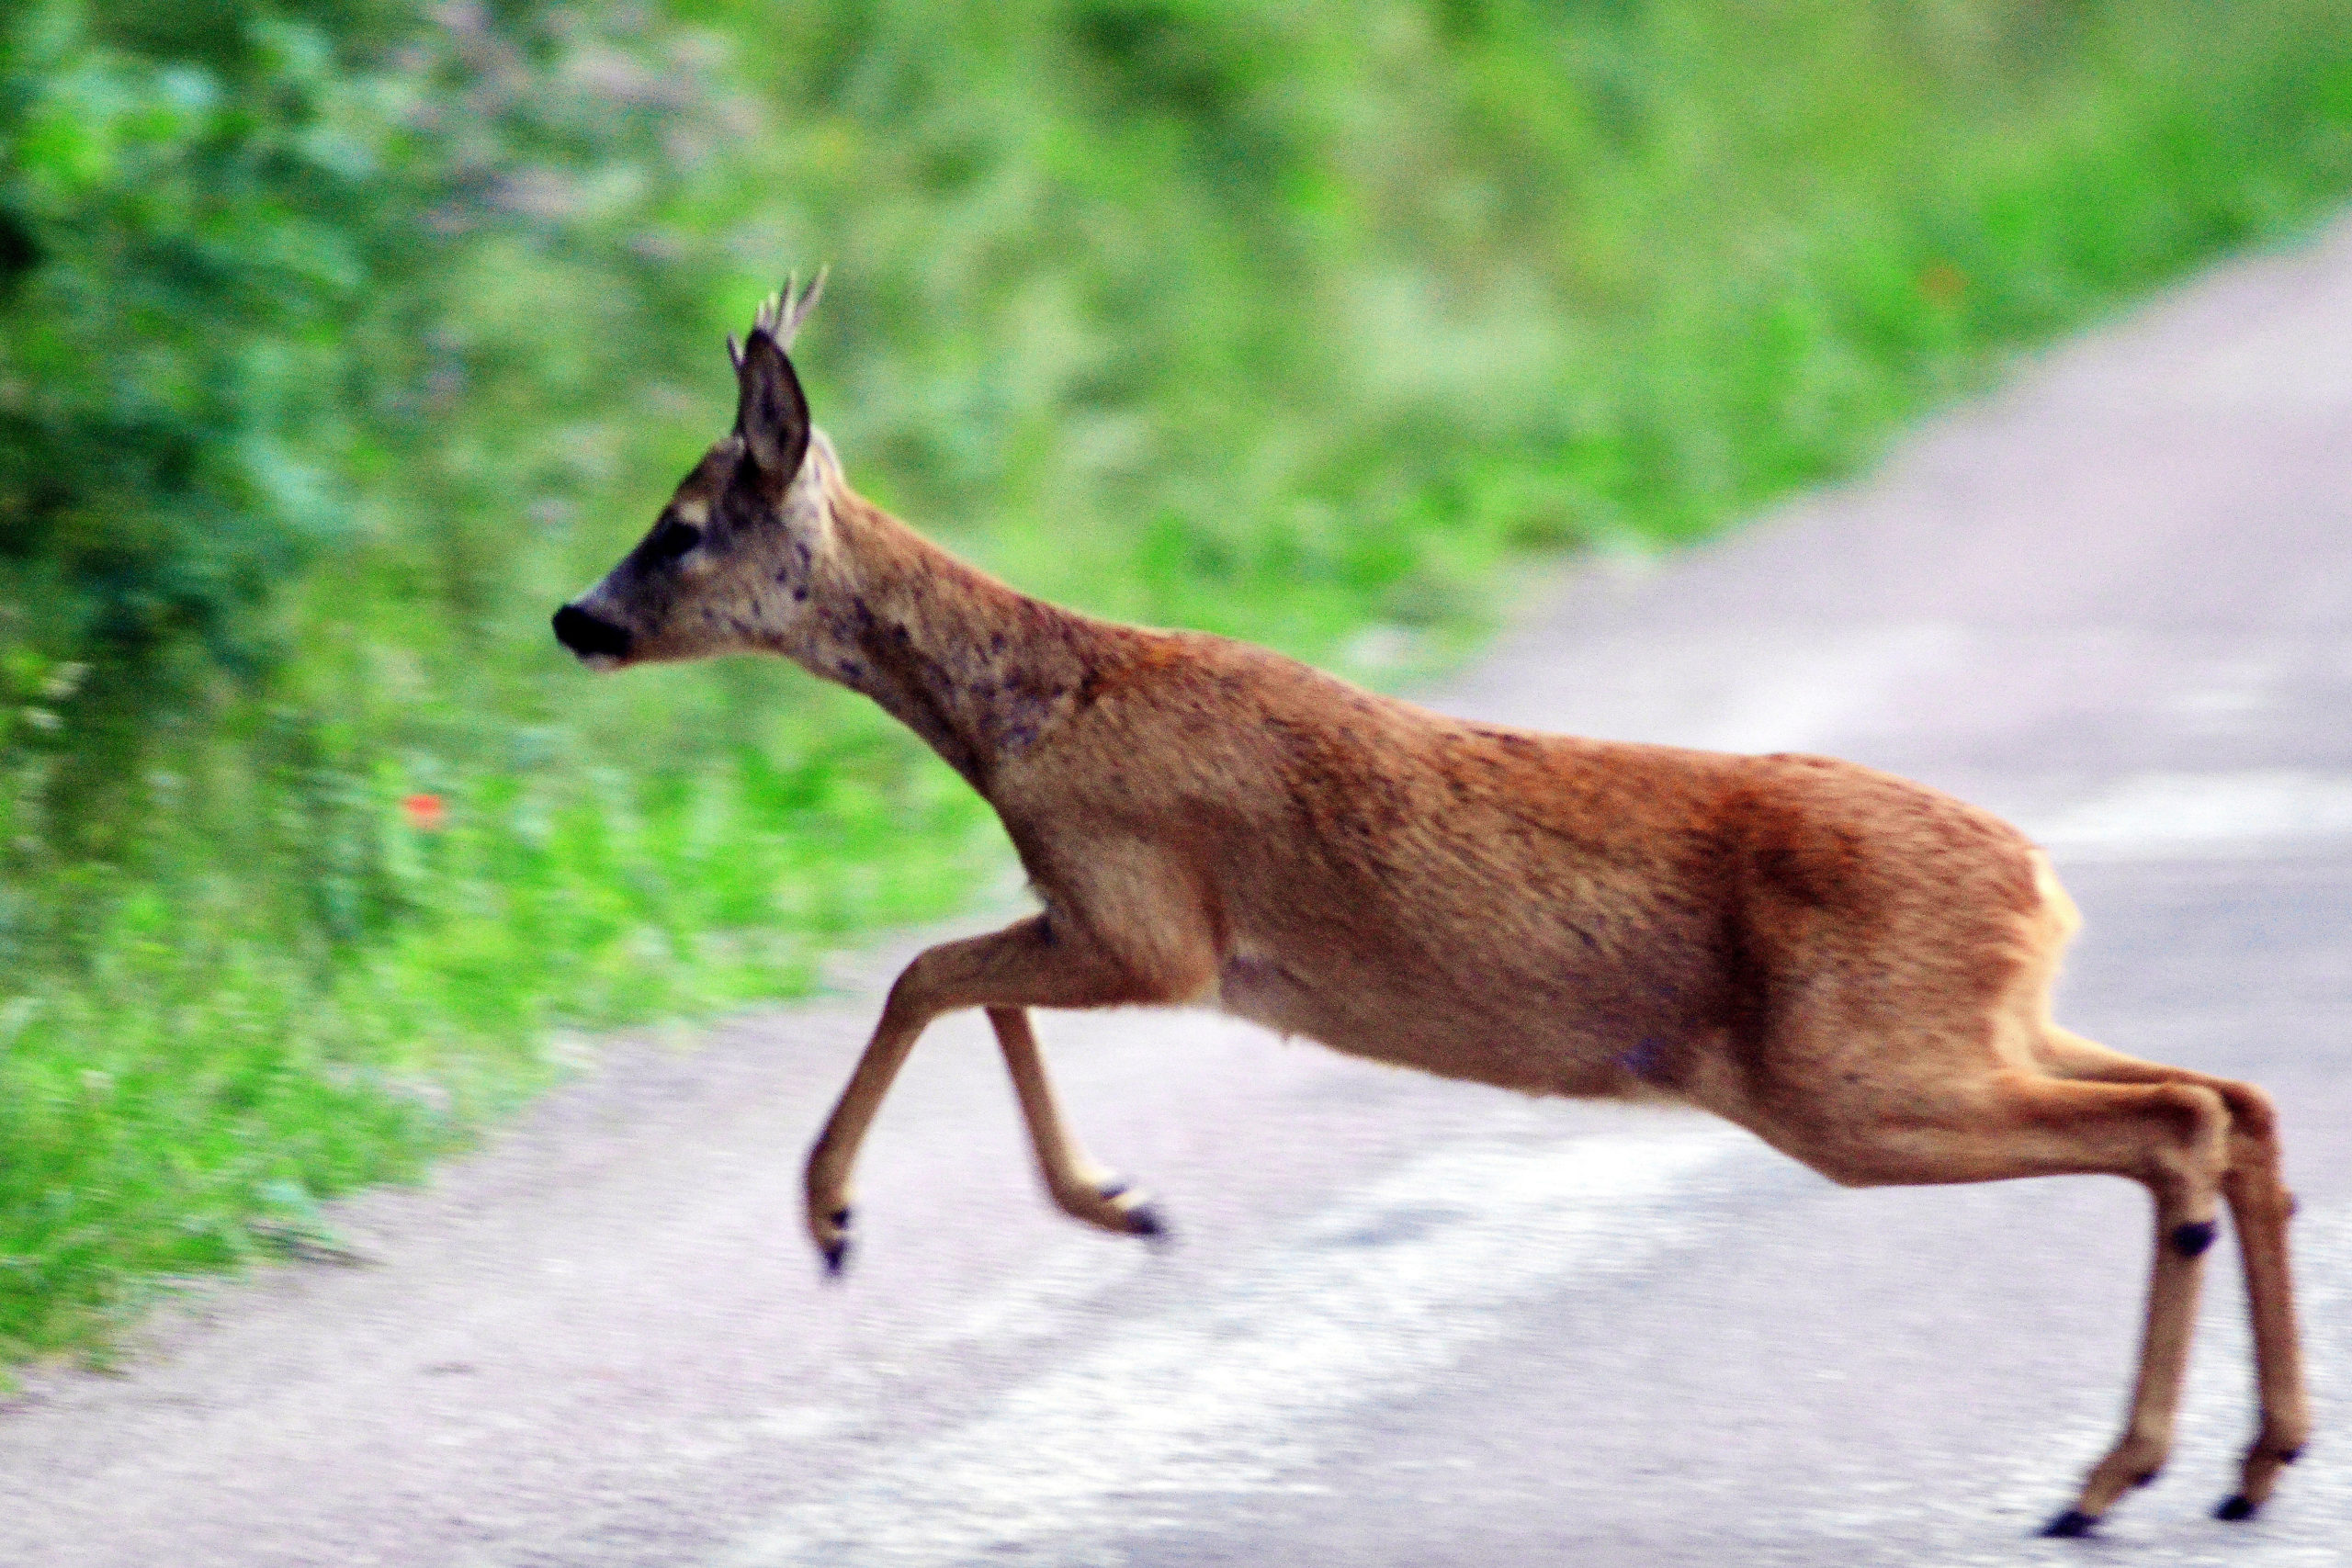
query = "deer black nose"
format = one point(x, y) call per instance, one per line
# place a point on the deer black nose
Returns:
point(585, 634)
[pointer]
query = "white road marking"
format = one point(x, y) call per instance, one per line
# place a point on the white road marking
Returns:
point(1371, 1300)
point(2168, 1526)
point(2202, 817)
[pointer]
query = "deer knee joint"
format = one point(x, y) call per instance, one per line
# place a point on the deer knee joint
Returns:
point(2251, 1114)
point(2188, 1167)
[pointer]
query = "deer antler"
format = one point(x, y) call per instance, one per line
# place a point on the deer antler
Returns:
point(780, 315)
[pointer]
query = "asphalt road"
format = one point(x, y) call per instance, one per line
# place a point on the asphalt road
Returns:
point(1408, 1322)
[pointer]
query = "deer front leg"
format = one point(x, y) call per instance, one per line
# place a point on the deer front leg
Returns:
point(1029, 964)
point(1082, 1189)
point(827, 1178)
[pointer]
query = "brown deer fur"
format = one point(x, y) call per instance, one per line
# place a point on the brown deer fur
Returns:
point(1854, 967)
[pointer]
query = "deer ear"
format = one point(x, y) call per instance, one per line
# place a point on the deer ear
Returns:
point(771, 413)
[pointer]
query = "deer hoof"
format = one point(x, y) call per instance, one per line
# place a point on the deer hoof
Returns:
point(2236, 1508)
point(1134, 1212)
point(831, 1237)
point(2190, 1240)
point(1144, 1220)
point(2072, 1524)
point(1116, 1207)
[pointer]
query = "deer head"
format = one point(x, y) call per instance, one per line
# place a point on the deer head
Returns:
point(726, 566)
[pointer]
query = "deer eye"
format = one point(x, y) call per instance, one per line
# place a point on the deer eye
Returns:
point(673, 539)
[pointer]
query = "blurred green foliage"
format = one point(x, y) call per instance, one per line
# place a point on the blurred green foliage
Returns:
point(341, 339)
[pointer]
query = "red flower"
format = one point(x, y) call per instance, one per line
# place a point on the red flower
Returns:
point(424, 811)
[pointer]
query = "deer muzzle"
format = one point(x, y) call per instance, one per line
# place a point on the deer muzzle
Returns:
point(594, 640)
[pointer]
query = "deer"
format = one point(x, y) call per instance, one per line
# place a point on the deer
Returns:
point(1854, 967)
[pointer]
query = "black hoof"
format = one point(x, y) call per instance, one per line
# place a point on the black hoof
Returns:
point(2069, 1526)
point(2190, 1240)
point(836, 1251)
point(2236, 1508)
point(1144, 1220)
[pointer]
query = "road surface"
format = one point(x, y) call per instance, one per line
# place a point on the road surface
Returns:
point(1409, 1322)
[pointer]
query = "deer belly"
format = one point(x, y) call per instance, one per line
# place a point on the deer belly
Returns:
point(1263, 992)
point(1364, 1019)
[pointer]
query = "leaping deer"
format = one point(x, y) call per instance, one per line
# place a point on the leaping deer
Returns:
point(1854, 967)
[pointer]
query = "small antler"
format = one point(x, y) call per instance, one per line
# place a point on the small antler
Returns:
point(780, 315)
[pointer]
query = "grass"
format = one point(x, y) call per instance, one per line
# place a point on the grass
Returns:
point(183, 1098)
point(1302, 323)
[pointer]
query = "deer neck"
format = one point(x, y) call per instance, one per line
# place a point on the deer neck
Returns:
point(974, 667)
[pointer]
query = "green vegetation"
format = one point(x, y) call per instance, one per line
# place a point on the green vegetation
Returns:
point(341, 339)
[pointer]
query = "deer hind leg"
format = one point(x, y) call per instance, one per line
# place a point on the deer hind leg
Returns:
point(1029, 963)
point(1082, 1189)
point(2003, 1121)
point(2260, 1206)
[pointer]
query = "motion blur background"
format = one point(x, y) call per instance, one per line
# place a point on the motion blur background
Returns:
point(341, 339)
